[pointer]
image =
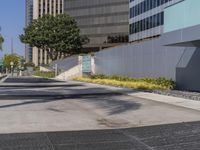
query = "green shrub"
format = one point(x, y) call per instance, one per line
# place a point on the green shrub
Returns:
point(43, 74)
point(100, 76)
point(161, 81)
point(29, 64)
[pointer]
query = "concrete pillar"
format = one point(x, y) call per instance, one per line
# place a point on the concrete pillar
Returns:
point(42, 8)
point(46, 2)
point(41, 57)
point(35, 9)
point(45, 57)
point(35, 56)
point(50, 6)
point(58, 7)
point(93, 64)
point(54, 11)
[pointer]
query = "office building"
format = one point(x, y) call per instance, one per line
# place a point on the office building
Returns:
point(28, 20)
point(171, 51)
point(147, 18)
point(41, 7)
point(104, 22)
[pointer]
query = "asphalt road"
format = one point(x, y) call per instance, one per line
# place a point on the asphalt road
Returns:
point(43, 114)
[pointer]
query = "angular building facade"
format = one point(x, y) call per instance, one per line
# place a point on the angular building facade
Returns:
point(147, 18)
point(28, 20)
point(41, 7)
point(172, 50)
point(104, 22)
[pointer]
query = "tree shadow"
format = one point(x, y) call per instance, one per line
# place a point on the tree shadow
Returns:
point(112, 102)
point(30, 80)
point(39, 86)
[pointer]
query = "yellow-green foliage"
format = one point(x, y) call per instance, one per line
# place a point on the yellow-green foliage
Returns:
point(43, 74)
point(7, 59)
point(142, 83)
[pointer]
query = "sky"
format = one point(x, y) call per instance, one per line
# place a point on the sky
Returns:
point(12, 22)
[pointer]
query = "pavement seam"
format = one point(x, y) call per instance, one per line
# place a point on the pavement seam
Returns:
point(51, 144)
point(133, 138)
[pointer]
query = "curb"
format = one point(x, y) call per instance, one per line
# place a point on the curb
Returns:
point(3, 78)
point(153, 96)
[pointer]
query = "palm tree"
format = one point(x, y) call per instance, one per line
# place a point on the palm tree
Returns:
point(1, 42)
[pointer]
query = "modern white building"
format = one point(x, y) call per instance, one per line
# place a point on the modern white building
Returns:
point(146, 18)
point(35, 9)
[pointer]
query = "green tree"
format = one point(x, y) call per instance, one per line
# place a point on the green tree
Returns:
point(1, 42)
point(11, 58)
point(57, 35)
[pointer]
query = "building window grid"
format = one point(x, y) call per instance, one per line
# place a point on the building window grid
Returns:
point(147, 23)
point(146, 6)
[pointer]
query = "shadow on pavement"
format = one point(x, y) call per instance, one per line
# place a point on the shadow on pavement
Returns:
point(30, 80)
point(109, 101)
point(38, 86)
point(112, 102)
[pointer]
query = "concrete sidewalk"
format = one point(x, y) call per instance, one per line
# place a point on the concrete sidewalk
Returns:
point(65, 106)
point(181, 102)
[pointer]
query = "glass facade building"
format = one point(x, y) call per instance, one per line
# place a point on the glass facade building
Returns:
point(146, 18)
point(28, 19)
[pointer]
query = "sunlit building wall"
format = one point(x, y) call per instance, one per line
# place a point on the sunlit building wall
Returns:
point(41, 7)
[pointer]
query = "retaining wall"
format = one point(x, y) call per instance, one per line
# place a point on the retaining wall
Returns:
point(151, 59)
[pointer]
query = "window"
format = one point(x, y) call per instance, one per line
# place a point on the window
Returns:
point(146, 6)
point(147, 23)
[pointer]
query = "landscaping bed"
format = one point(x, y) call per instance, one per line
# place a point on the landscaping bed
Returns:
point(127, 82)
point(160, 86)
point(43, 74)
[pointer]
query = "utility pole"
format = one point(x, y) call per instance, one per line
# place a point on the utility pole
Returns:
point(12, 51)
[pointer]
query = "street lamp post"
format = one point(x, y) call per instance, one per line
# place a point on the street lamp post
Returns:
point(12, 66)
point(56, 69)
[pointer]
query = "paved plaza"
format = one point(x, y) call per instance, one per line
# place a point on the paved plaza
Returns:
point(45, 114)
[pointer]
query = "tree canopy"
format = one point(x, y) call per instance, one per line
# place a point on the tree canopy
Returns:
point(11, 58)
point(56, 34)
point(1, 41)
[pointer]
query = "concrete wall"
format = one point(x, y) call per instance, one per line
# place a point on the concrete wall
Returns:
point(150, 59)
point(75, 71)
point(44, 69)
point(69, 67)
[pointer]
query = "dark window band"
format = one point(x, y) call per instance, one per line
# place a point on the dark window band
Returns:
point(146, 6)
point(96, 6)
point(102, 15)
point(102, 25)
point(104, 35)
point(147, 23)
